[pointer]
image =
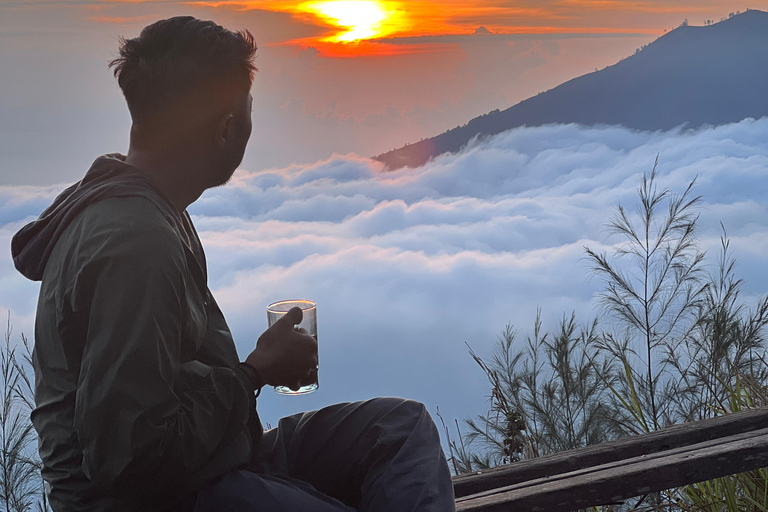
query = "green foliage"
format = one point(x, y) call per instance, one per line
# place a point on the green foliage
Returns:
point(654, 287)
point(725, 346)
point(21, 487)
point(741, 492)
point(545, 397)
point(675, 343)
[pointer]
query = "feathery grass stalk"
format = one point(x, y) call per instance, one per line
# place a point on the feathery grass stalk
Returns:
point(20, 481)
point(653, 288)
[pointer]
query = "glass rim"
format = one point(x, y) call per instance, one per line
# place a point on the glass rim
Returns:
point(304, 304)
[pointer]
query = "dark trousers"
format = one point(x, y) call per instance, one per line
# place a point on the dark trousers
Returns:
point(381, 455)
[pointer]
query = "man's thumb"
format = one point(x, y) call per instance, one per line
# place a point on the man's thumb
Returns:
point(293, 316)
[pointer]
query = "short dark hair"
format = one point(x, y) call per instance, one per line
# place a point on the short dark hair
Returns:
point(177, 56)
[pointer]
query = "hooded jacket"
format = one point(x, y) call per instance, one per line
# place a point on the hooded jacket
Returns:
point(139, 400)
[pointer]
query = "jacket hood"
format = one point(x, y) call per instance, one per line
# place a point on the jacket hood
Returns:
point(108, 177)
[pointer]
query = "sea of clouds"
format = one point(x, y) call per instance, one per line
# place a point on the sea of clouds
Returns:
point(410, 266)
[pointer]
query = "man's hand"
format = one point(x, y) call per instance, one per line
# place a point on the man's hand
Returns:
point(285, 356)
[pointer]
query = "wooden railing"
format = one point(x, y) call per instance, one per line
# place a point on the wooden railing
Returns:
point(616, 471)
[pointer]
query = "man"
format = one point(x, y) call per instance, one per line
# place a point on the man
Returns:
point(141, 400)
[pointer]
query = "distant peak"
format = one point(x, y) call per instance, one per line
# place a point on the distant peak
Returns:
point(692, 76)
point(743, 16)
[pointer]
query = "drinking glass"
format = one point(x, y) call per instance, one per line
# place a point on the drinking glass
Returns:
point(275, 311)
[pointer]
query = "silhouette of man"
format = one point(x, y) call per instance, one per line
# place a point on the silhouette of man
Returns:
point(141, 400)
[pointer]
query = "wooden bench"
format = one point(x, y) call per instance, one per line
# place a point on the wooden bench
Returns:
point(615, 471)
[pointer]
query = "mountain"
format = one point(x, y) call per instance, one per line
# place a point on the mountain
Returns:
point(696, 76)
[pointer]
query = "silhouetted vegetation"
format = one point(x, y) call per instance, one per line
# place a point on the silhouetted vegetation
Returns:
point(673, 343)
point(21, 486)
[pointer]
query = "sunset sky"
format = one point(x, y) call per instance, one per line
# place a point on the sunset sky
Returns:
point(406, 267)
point(421, 67)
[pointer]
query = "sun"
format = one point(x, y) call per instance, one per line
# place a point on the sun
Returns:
point(357, 19)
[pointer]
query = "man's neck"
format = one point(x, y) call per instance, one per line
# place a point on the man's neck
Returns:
point(174, 177)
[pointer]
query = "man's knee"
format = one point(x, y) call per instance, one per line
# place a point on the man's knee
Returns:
point(398, 407)
point(403, 416)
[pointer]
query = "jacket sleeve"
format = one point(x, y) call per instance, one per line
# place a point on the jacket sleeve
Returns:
point(145, 420)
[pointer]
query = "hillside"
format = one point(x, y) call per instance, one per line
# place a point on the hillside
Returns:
point(711, 75)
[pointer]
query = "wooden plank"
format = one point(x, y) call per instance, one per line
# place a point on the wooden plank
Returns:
point(676, 436)
point(620, 480)
point(618, 464)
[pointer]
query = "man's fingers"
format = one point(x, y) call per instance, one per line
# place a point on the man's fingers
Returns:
point(292, 317)
point(295, 315)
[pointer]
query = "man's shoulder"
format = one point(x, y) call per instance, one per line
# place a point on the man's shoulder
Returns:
point(128, 213)
point(134, 224)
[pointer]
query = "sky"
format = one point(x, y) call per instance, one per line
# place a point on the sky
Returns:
point(408, 267)
point(430, 66)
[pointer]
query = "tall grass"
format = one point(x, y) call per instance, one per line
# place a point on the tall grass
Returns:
point(674, 342)
point(545, 397)
point(653, 288)
point(21, 486)
point(741, 492)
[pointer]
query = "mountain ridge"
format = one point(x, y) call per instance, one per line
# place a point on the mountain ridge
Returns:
point(693, 76)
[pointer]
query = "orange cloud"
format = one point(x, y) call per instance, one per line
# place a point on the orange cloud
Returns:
point(372, 48)
point(637, 6)
point(347, 27)
point(403, 18)
point(397, 19)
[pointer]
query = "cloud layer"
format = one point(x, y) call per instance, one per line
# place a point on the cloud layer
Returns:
point(408, 266)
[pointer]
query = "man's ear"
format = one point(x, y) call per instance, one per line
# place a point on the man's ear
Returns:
point(224, 131)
